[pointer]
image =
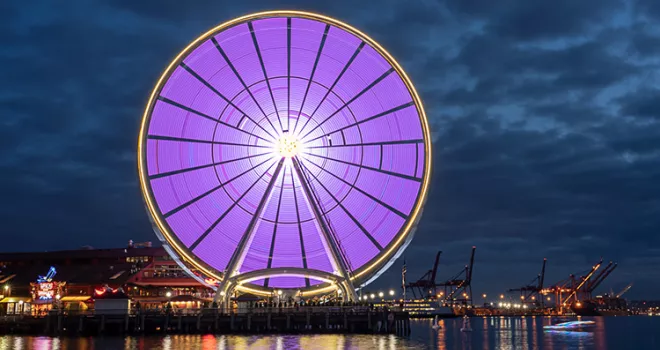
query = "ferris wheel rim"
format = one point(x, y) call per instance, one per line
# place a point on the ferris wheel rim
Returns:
point(372, 267)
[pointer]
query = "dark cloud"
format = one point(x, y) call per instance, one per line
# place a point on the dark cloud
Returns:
point(641, 103)
point(538, 19)
point(544, 118)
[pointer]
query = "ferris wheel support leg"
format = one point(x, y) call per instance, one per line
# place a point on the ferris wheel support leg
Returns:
point(334, 253)
point(239, 253)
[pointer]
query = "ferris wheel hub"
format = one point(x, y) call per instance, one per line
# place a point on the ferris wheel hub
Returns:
point(288, 146)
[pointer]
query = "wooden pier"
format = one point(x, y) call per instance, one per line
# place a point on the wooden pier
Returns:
point(255, 321)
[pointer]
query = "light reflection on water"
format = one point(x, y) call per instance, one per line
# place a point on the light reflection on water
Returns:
point(493, 333)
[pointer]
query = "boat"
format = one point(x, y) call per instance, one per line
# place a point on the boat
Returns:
point(609, 304)
point(570, 325)
point(601, 306)
point(421, 308)
point(466, 324)
point(435, 323)
point(428, 309)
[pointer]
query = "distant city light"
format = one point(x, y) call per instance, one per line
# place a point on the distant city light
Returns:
point(484, 295)
point(168, 294)
point(372, 295)
point(501, 296)
point(380, 294)
point(391, 292)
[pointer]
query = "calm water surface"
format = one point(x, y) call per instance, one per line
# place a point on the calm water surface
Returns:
point(525, 333)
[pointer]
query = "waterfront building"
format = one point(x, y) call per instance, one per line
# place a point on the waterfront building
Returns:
point(36, 282)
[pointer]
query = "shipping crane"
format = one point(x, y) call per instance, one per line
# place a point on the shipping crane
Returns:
point(458, 289)
point(624, 290)
point(596, 281)
point(426, 286)
point(531, 293)
point(572, 287)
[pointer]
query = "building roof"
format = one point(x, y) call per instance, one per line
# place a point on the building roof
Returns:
point(79, 274)
point(46, 257)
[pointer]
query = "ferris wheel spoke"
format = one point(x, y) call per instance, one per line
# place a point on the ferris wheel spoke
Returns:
point(273, 239)
point(186, 204)
point(303, 251)
point(311, 78)
point(341, 74)
point(237, 257)
point(334, 252)
point(184, 139)
point(233, 68)
point(362, 92)
point(196, 112)
point(231, 207)
point(263, 69)
point(288, 72)
point(185, 170)
point(350, 215)
point(382, 171)
point(395, 142)
point(382, 114)
point(229, 102)
point(352, 186)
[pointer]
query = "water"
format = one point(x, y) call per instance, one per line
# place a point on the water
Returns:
point(525, 333)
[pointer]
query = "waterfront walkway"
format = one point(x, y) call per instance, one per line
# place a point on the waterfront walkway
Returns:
point(304, 319)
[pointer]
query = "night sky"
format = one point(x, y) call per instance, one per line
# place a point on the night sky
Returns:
point(545, 119)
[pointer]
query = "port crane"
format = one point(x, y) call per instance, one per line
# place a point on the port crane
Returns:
point(624, 290)
point(572, 289)
point(458, 289)
point(596, 281)
point(531, 293)
point(426, 286)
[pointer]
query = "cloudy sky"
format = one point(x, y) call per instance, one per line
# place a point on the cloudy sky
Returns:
point(545, 119)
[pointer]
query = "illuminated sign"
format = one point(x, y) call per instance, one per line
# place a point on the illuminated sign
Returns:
point(47, 290)
point(49, 276)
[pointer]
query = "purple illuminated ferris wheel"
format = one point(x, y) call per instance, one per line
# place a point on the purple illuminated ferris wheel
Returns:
point(284, 150)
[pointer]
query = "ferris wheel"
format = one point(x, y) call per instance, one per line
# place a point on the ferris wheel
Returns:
point(284, 150)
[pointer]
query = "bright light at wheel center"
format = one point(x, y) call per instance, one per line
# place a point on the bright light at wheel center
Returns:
point(288, 146)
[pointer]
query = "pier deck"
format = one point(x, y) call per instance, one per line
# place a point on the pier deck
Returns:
point(259, 320)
